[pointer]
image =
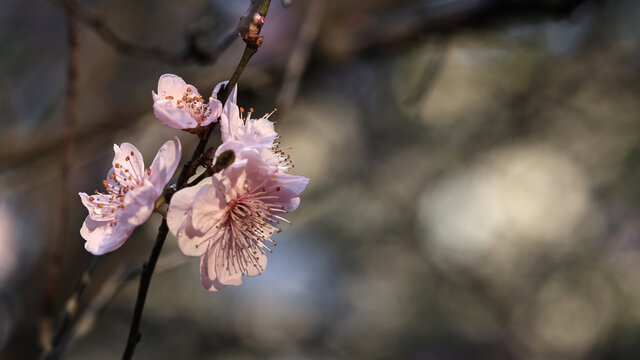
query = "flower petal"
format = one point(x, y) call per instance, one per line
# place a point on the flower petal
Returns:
point(208, 207)
point(94, 207)
point(173, 117)
point(230, 120)
point(209, 280)
point(102, 238)
point(174, 86)
point(259, 132)
point(129, 158)
point(227, 269)
point(259, 267)
point(190, 241)
point(138, 204)
point(215, 110)
point(171, 89)
point(290, 188)
point(165, 164)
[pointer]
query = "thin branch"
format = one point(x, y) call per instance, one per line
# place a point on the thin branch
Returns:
point(193, 52)
point(55, 256)
point(69, 311)
point(145, 281)
point(246, 24)
point(223, 160)
point(108, 292)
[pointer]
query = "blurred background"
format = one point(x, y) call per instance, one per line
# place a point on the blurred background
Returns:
point(474, 171)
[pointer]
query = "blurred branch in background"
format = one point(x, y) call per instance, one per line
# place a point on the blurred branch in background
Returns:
point(57, 242)
point(194, 52)
point(68, 313)
point(108, 292)
point(370, 32)
point(308, 33)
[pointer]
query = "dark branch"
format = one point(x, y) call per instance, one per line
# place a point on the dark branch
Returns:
point(69, 311)
point(55, 252)
point(193, 53)
point(187, 171)
point(145, 281)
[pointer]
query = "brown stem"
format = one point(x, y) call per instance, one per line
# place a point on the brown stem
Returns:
point(145, 281)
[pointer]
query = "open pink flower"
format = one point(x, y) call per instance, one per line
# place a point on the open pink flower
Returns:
point(254, 133)
point(229, 222)
point(180, 106)
point(131, 192)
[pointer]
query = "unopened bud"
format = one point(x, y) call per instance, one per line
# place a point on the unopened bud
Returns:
point(251, 32)
point(223, 160)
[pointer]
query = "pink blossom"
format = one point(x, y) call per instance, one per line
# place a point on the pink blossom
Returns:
point(131, 192)
point(229, 222)
point(254, 133)
point(180, 106)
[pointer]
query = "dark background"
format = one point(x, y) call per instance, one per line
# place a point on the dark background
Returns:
point(474, 179)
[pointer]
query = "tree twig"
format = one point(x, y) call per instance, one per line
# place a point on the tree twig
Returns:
point(145, 281)
point(55, 254)
point(69, 311)
point(192, 53)
point(108, 292)
point(188, 169)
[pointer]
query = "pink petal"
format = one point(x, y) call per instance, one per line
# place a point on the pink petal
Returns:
point(230, 119)
point(172, 116)
point(215, 110)
point(258, 171)
point(295, 183)
point(209, 280)
point(95, 212)
point(208, 207)
point(290, 188)
point(175, 86)
point(128, 156)
point(172, 88)
point(252, 270)
point(259, 132)
point(138, 205)
point(226, 268)
point(165, 164)
point(190, 241)
point(102, 238)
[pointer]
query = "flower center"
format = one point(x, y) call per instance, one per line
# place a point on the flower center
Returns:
point(192, 104)
point(110, 204)
point(250, 220)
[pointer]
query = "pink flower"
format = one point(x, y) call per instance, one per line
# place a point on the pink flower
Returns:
point(229, 222)
point(131, 192)
point(180, 106)
point(254, 133)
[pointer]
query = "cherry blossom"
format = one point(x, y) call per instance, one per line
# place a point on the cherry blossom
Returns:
point(180, 106)
point(129, 197)
point(254, 133)
point(229, 222)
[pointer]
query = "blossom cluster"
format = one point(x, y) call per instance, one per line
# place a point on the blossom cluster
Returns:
point(229, 220)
